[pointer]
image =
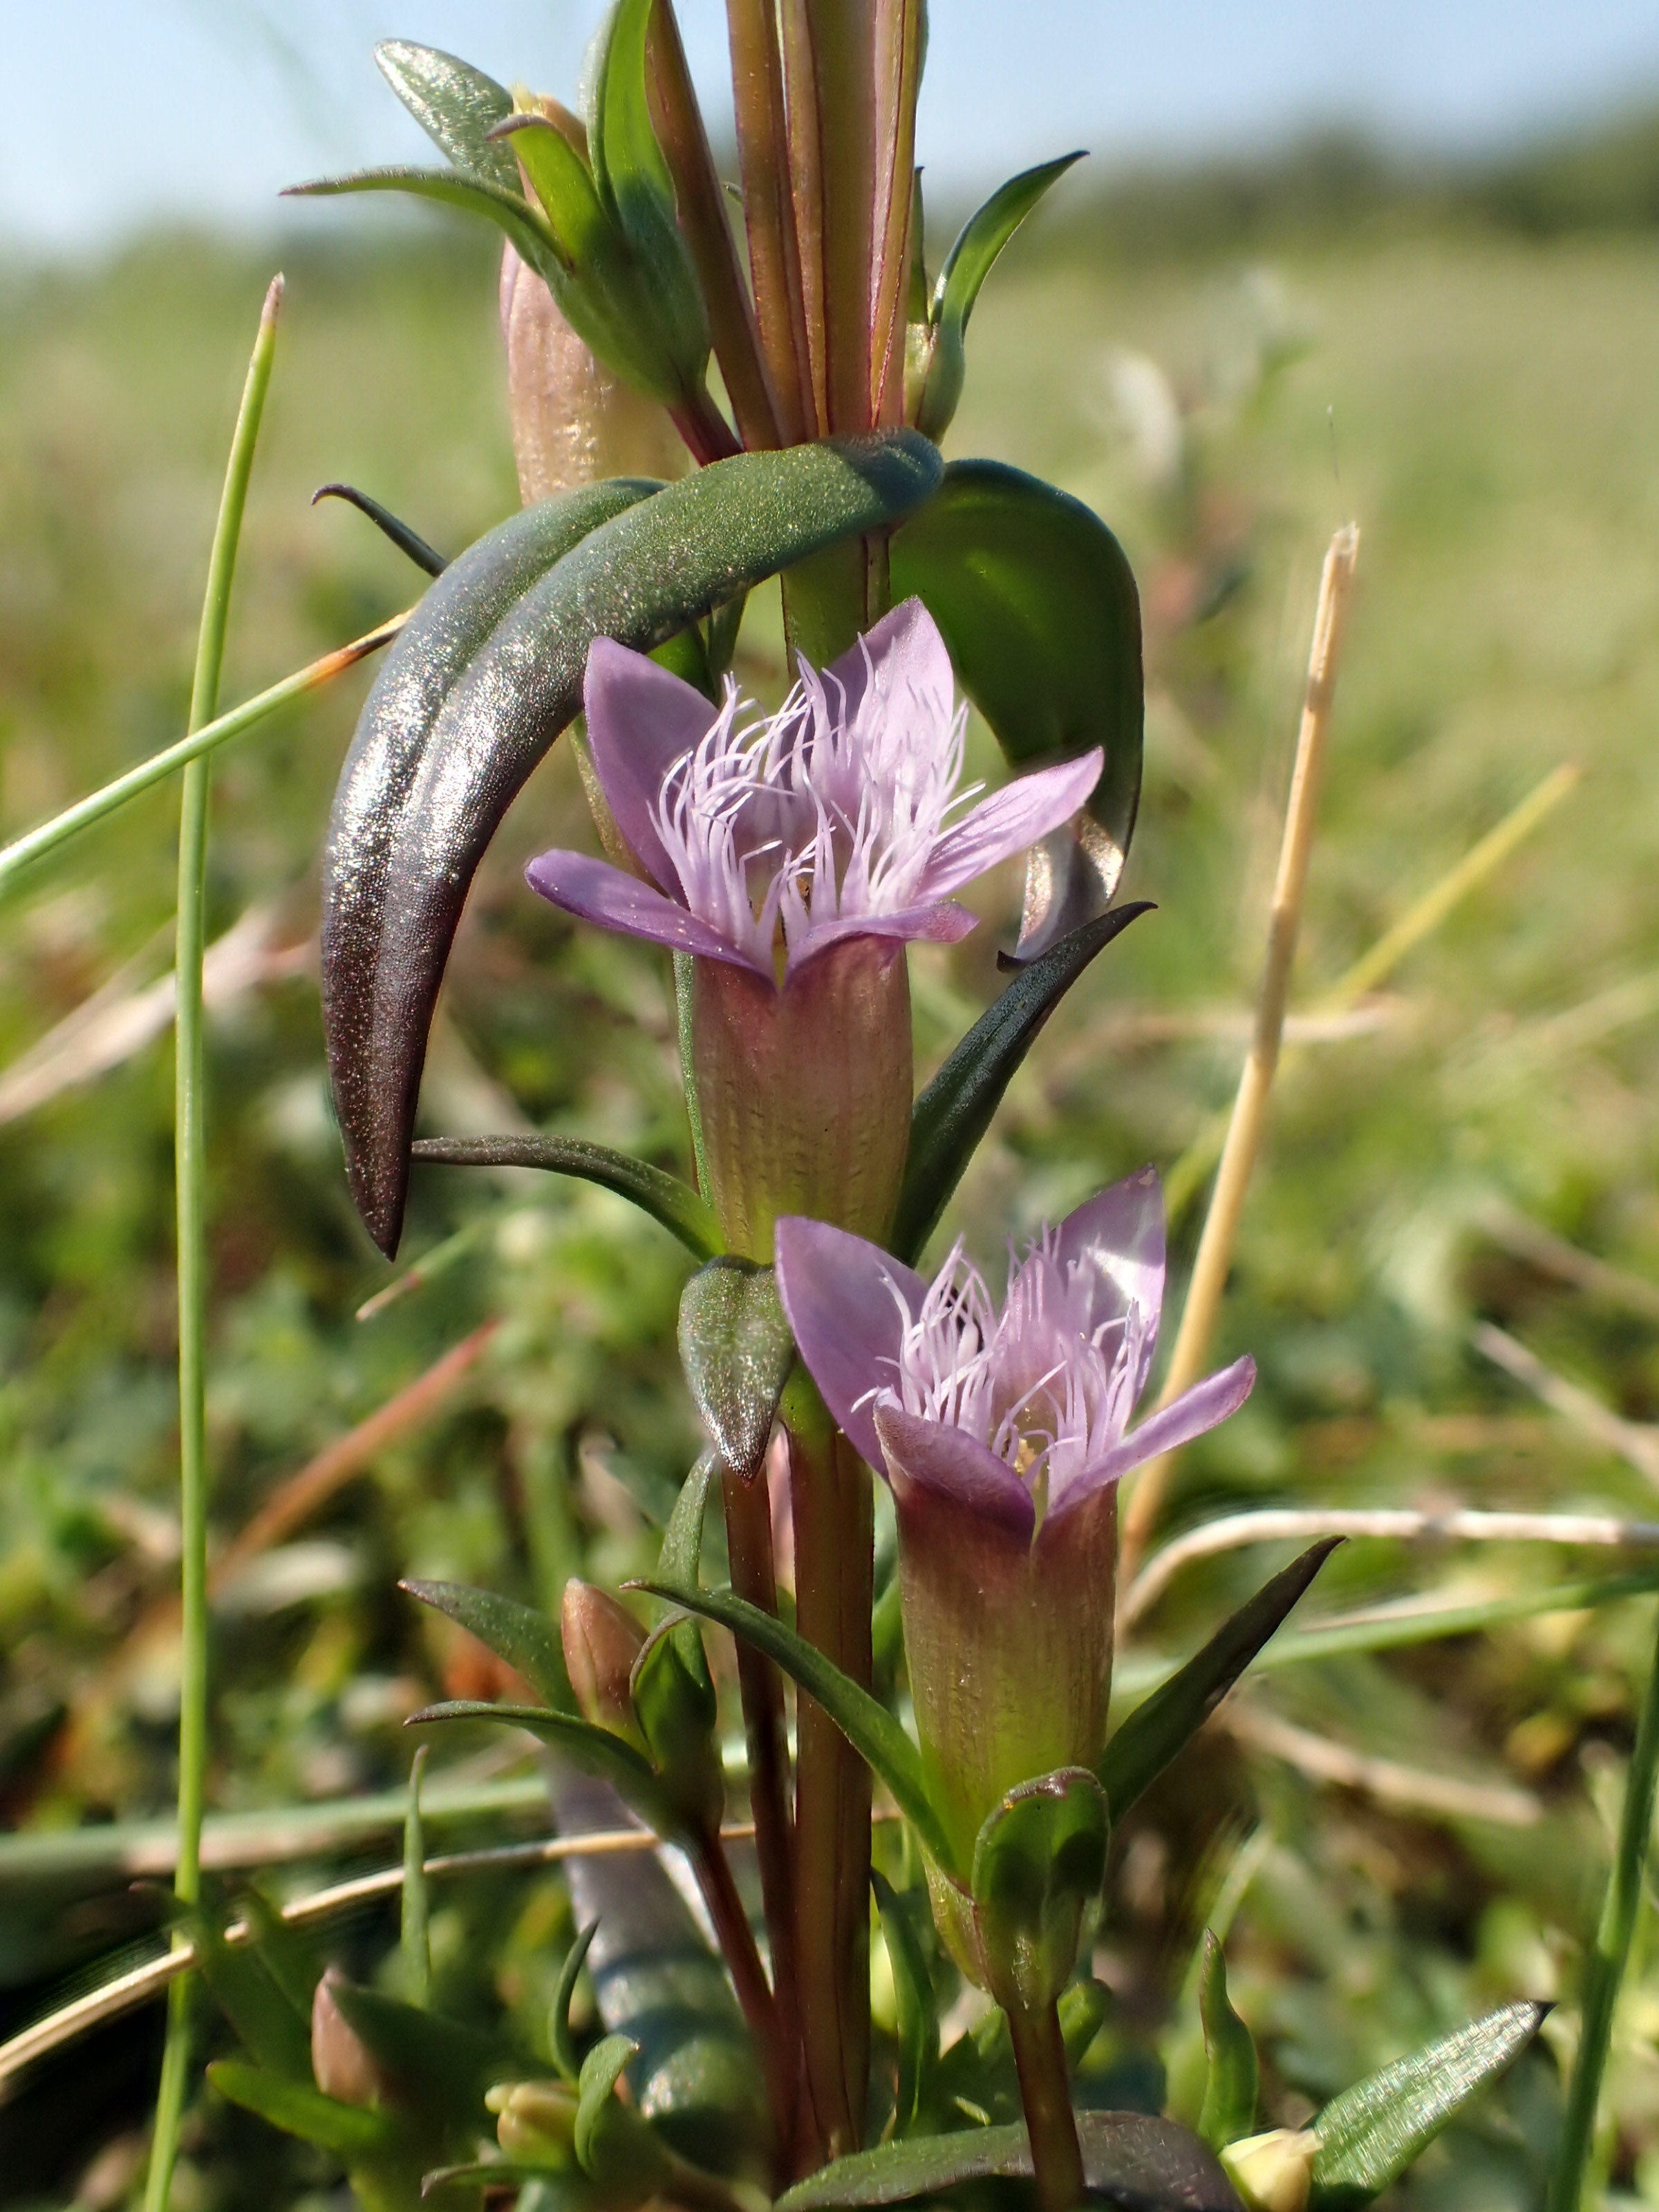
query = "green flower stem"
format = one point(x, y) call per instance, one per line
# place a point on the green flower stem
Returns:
point(749, 1549)
point(189, 1167)
point(97, 806)
point(1604, 1969)
point(1045, 2091)
point(834, 1520)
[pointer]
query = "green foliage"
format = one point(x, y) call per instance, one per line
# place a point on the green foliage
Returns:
point(737, 1351)
point(1232, 2084)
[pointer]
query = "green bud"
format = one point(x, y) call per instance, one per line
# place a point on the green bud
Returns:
point(535, 2120)
point(674, 1704)
point(1274, 2173)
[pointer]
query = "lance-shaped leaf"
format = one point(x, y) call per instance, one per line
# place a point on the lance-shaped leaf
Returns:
point(1232, 2083)
point(350, 2131)
point(594, 1750)
point(868, 1727)
point(918, 2011)
point(1142, 2165)
point(665, 1197)
point(451, 733)
point(737, 1351)
point(634, 180)
point(1371, 2133)
point(456, 104)
point(270, 2024)
point(1173, 1715)
point(526, 1639)
point(506, 208)
point(967, 265)
point(561, 2041)
point(1038, 606)
point(956, 1110)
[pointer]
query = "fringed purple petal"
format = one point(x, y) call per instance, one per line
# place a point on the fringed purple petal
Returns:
point(640, 719)
point(905, 653)
point(954, 1466)
point(1117, 1236)
point(1009, 820)
point(1203, 1408)
point(595, 892)
point(838, 1293)
point(942, 924)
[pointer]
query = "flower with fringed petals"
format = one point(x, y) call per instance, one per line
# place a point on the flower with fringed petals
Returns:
point(793, 856)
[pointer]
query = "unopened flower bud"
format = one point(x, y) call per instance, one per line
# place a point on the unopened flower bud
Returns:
point(535, 2119)
point(573, 422)
point(601, 1642)
point(1274, 2173)
point(342, 2063)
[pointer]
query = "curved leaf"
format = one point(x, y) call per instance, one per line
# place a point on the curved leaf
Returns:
point(350, 2131)
point(1038, 606)
point(560, 2040)
point(633, 179)
point(525, 1638)
point(918, 2012)
point(456, 104)
point(594, 1750)
point(737, 1351)
point(868, 1727)
point(1143, 2165)
point(1173, 1715)
point(954, 1112)
point(1232, 2083)
point(1039, 1861)
point(448, 737)
point(1371, 2133)
point(967, 265)
point(506, 208)
point(665, 1197)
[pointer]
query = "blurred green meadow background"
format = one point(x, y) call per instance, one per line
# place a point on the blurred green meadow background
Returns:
point(1228, 363)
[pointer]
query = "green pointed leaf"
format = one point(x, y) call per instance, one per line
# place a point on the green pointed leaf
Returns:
point(1371, 2133)
point(918, 2011)
point(737, 1351)
point(614, 2143)
point(285, 1949)
point(350, 2131)
point(668, 1200)
point(456, 104)
point(633, 178)
point(594, 1750)
point(505, 207)
point(456, 721)
point(441, 2066)
point(1173, 1715)
point(559, 2039)
point(601, 2071)
point(868, 1727)
point(272, 2027)
point(1039, 1861)
point(680, 1560)
point(1143, 2165)
point(952, 1115)
point(1232, 2084)
point(967, 265)
point(1038, 606)
point(1085, 2008)
point(415, 1920)
point(525, 1638)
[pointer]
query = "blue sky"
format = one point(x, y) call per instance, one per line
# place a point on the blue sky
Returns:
point(119, 111)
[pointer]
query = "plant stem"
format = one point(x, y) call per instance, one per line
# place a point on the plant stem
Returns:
point(189, 1149)
point(1244, 1131)
point(1045, 2090)
point(736, 1942)
point(834, 1521)
point(749, 1549)
point(1604, 1969)
point(35, 844)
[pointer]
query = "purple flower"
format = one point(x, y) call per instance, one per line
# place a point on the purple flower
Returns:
point(830, 819)
point(1004, 1436)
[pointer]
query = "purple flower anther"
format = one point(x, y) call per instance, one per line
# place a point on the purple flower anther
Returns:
point(837, 816)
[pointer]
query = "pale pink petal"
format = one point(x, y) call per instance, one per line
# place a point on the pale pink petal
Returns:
point(838, 1292)
point(640, 719)
point(906, 654)
point(1008, 822)
point(939, 924)
point(595, 892)
point(953, 1466)
point(1118, 1237)
point(1201, 1408)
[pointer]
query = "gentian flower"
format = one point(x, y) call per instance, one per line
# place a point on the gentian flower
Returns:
point(1004, 1436)
point(793, 856)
